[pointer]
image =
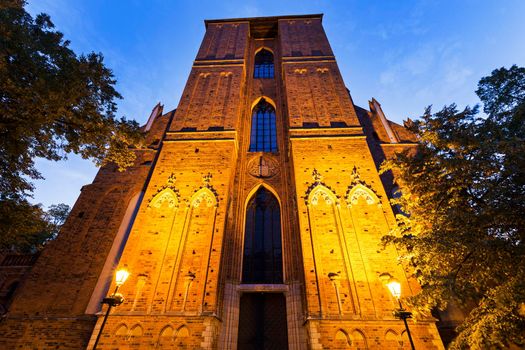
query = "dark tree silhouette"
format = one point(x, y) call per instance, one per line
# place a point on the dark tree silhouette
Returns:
point(464, 192)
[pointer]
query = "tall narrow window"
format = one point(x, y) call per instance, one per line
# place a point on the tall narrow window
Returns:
point(264, 134)
point(262, 261)
point(263, 64)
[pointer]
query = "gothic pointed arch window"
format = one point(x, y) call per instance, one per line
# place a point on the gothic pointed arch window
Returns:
point(262, 261)
point(264, 132)
point(263, 67)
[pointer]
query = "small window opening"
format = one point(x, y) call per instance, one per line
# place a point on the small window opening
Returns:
point(263, 65)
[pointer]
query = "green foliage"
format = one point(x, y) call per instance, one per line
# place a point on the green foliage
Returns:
point(53, 102)
point(27, 227)
point(464, 191)
point(57, 215)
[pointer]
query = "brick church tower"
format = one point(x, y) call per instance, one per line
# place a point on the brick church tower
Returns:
point(252, 220)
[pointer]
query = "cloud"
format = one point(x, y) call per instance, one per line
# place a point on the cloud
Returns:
point(420, 61)
point(388, 77)
point(456, 74)
point(250, 10)
point(431, 74)
point(429, 62)
point(408, 23)
point(413, 64)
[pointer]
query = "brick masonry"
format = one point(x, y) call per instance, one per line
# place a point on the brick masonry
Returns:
point(176, 218)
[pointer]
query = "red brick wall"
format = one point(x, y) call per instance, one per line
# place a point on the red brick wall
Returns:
point(185, 248)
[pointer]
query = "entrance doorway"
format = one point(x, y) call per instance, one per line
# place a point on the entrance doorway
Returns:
point(262, 322)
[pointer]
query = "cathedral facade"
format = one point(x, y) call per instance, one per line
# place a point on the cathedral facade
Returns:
point(252, 218)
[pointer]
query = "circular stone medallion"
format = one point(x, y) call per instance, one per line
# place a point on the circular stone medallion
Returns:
point(262, 167)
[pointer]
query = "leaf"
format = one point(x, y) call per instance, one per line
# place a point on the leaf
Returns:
point(463, 199)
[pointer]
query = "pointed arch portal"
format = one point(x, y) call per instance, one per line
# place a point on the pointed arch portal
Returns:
point(262, 262)
point(262, 322)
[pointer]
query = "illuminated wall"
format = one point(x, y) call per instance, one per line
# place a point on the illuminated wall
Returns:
point(192, 193)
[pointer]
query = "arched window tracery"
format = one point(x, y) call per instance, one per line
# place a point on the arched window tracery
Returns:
point(262, 261)
point(329, 245)
point(360, 191)
point(263, 67)
point(263, 131)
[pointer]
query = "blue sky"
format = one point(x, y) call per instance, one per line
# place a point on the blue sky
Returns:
point(406, 54)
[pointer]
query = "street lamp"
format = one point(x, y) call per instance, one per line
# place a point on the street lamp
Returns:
point(113, 300)
point(401, 313)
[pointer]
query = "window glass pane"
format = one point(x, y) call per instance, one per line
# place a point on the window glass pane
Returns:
point(262, 261)
point(263, 129)
point(263, 65)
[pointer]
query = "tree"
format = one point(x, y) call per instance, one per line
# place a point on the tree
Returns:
point(464, 194)
point(53, 102)
point(27, 227)
point(56, 215)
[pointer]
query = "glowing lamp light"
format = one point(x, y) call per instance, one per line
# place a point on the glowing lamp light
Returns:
point(121, 276)
point(395, 288)
point(113, 300)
